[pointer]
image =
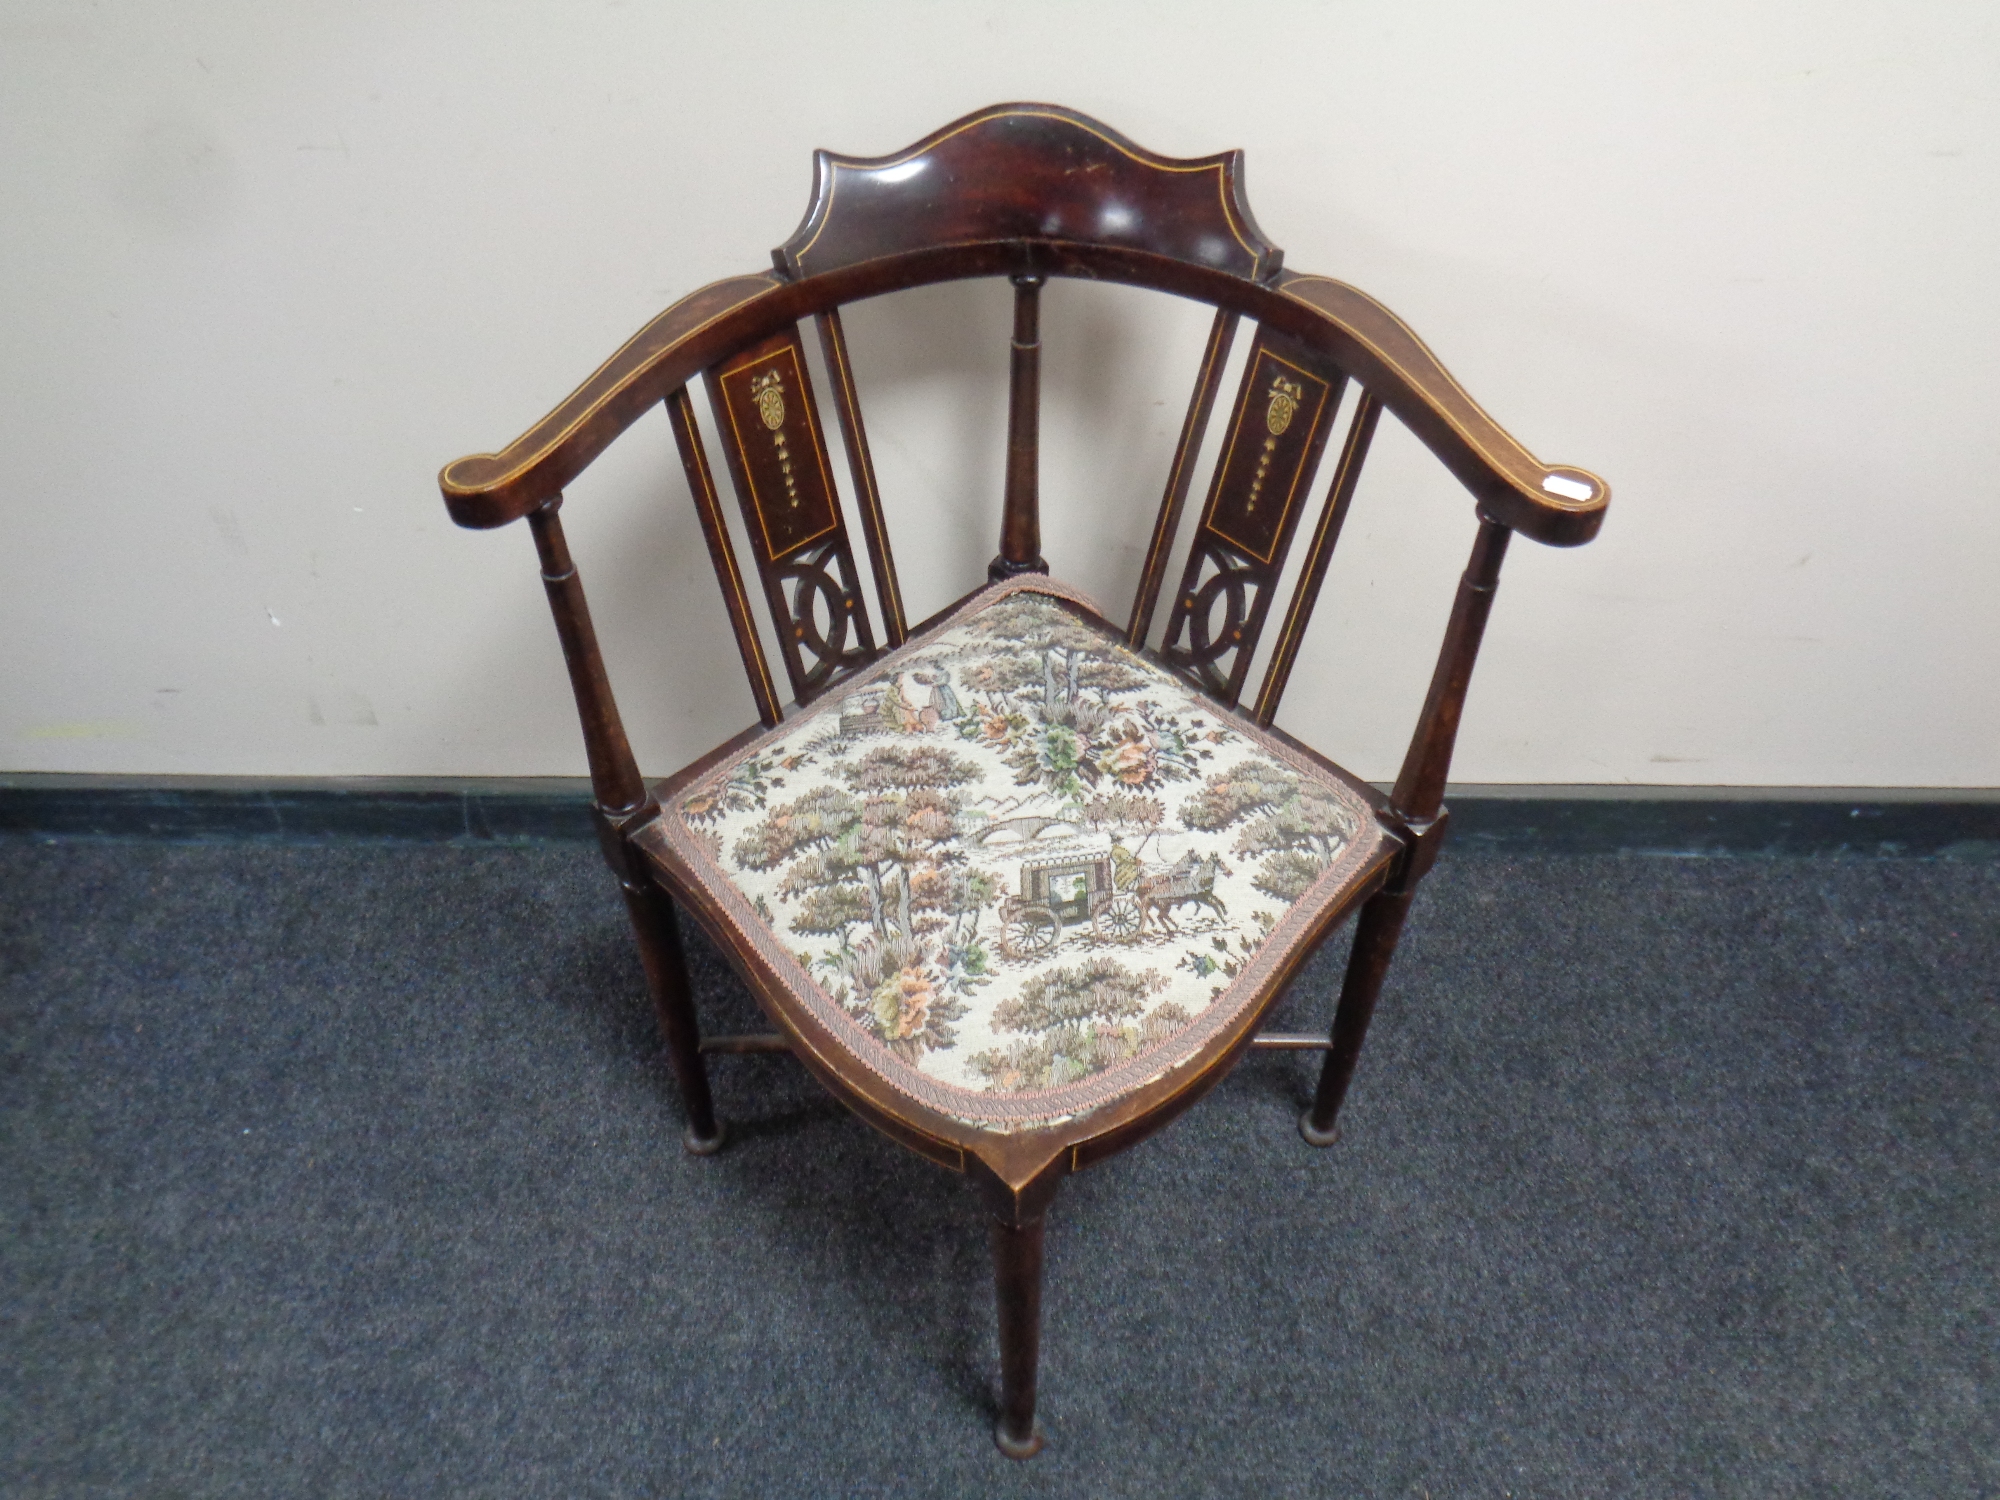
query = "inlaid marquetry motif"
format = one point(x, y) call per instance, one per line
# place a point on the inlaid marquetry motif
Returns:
point(767, 407)
point(1278, 416)
point(1277, 431)
point(1264, 460)
point(769, 389)
point(777, 457)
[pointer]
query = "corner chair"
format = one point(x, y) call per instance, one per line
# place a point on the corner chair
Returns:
point(1017, 883)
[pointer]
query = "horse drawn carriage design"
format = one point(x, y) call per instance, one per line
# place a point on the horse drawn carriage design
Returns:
point(1065, 891)
point(1118, 903)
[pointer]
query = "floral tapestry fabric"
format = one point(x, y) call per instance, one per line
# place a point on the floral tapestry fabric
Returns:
point(1017, 856)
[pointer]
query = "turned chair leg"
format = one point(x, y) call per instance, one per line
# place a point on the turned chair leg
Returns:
point(1017, 1278)
point(666, 975)
point(1375, 937)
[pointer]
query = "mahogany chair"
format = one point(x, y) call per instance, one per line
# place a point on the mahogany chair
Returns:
point(1018, 884)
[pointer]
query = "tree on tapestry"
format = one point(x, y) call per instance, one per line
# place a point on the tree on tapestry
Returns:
point(1051, 690)
point(873, 866)
point(746, 788)
point(1051, 659)
point(1298, 826)
point(1080, 1021)
point(1124, 814)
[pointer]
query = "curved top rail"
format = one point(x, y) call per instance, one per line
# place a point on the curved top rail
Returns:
point(1556, 504)
point(1028, 172)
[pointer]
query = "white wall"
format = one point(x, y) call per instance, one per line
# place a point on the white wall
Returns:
point(263, 269)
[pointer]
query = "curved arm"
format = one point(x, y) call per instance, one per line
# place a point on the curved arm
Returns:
point(1557, 504)
point(491, 489)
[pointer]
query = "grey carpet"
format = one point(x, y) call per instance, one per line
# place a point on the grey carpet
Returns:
point(351, 1170)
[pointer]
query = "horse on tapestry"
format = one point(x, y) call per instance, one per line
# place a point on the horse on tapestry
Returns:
point(1188, 882)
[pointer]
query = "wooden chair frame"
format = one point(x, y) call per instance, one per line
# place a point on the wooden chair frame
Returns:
point(1029, 192)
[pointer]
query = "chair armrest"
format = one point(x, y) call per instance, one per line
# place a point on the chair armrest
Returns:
point(491, 489)
point(1557, 504)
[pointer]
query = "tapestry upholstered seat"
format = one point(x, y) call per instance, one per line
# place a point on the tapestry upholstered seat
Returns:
point(1020, 885)
point(1016, 869)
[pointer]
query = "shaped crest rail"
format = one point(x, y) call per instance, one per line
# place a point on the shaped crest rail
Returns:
point(1026, 172)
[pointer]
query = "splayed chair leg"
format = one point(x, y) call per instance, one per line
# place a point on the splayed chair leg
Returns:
point(1375, 937)
point(1017, 1278)
point(666, 975)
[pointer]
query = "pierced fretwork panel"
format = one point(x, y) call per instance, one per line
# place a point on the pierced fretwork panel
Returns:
point(776, 447)
point(1277, 431)
point(827, 622)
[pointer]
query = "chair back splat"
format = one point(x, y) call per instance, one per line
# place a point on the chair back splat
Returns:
point(1305, 594)
point(1015, 884)
point(1284, 412)
point(715, 531)
point(763, 403)
point(1220, 336)
point(861, 464)
point(1021, 519)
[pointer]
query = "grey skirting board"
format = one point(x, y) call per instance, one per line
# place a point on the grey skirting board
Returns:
point(1870, 822)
